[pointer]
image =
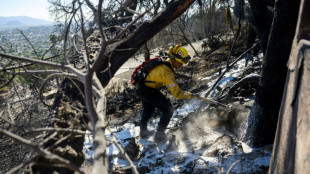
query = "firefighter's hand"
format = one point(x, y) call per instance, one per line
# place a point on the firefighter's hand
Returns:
point(195, 96)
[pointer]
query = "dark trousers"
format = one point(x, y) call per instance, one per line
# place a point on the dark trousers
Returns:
point(154, 100)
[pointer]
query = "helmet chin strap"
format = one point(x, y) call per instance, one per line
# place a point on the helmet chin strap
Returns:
point(176, 56)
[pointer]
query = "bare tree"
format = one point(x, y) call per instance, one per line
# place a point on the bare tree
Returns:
point(89, 81)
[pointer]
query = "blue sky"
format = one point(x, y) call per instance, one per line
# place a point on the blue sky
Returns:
point(32, 8)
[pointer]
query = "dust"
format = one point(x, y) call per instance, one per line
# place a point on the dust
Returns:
point(204, 124)
point(230, 119)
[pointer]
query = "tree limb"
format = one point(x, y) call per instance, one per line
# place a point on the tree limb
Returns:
point(230, 66)
point(73, 131)
point(48, 155)
point(123, 153)
point(35, 51)
point(127, 48)
point(36, 72)
point(68, 68)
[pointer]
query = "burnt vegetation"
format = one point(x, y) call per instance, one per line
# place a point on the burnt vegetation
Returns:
point(49, 103)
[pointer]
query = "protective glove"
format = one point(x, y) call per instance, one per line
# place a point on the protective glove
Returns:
point(195, 96)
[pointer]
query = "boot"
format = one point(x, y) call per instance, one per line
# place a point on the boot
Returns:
point(160, 137)
point(144, 133)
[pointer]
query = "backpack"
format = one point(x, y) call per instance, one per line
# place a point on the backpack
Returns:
point(140, 73)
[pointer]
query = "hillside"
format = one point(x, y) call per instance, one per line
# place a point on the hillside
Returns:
point(22, 21)
point(203, 138)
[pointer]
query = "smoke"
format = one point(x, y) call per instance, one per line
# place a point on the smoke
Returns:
point(205, 123)
point(231, 119)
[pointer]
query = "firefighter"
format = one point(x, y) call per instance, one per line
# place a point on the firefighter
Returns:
point(162, 75)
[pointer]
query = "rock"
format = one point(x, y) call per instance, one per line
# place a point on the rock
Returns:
point(132, 148)
point(224, 146)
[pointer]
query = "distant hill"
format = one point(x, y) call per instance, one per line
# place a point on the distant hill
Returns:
point(22, 21)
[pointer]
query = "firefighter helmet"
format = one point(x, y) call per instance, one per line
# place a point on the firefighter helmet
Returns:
point(179, 53)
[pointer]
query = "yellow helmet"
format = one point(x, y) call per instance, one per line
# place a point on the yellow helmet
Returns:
point(179, 53)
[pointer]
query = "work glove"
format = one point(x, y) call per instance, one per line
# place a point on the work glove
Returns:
point(195, 96)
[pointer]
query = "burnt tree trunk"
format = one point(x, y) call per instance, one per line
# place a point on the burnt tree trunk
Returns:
point(261, 21)
point(291, 150)
point(128, 47)
point(262, 121)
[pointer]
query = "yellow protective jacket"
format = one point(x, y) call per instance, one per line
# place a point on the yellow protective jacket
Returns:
point(161, 76)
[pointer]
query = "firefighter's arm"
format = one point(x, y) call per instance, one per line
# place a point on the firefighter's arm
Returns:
point(173, 87)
